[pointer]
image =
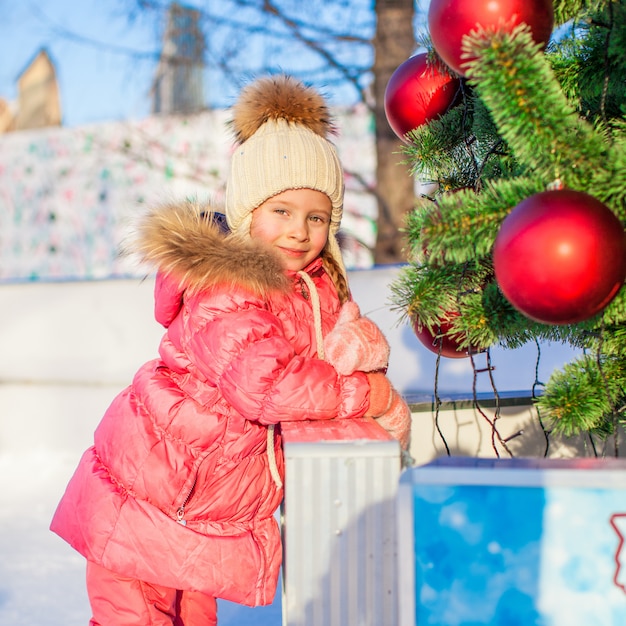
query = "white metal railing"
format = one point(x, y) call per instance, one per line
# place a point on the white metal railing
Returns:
point(338, 522)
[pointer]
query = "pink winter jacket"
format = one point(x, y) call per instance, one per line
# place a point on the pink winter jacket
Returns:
point(177, 489)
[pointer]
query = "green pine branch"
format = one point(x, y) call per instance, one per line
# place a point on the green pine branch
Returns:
point(461, 226)
point(534, 117)
point(566, 10)
point(586, 395)
point(460, 149)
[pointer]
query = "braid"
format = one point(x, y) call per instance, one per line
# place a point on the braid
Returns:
point(336, 275)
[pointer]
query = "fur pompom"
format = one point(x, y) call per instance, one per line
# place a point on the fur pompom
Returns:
point(280, 97)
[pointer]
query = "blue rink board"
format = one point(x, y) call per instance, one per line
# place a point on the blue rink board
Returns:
point(513, 542)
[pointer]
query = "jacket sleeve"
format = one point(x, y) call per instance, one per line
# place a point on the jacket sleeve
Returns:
point(244, 352)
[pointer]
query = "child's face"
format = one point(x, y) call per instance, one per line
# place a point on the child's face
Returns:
point(295, 223)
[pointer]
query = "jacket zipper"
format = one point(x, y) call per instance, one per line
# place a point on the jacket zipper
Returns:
point(180, 512)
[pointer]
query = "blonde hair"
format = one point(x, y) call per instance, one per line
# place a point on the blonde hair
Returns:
point(337, 275)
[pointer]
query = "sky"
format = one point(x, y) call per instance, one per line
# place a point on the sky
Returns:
point(104, 62)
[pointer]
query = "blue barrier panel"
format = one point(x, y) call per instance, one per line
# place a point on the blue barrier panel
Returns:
point(513, 542)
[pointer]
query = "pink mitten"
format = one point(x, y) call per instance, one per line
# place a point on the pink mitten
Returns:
point(397, 420)
point(355, 343)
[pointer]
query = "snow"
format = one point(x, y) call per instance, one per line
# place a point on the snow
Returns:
point(41, 577)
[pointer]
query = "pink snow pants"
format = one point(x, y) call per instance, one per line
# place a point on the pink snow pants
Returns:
point(119, 601)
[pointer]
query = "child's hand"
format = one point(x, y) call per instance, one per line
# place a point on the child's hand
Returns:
point(389, 409)
point(397, 420)
point(356, 343)
point(381, 394)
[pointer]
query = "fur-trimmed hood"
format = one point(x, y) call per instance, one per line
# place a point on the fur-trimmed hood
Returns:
point(185, 241)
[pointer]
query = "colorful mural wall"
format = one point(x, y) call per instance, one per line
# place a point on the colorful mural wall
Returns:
point(68, 195)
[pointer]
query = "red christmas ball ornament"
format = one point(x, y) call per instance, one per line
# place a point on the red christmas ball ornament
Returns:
point(438, 342)
point(418, 92)
point(560, 256)
point(450, 20)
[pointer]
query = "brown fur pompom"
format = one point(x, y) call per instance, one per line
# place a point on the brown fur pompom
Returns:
point(280, 97)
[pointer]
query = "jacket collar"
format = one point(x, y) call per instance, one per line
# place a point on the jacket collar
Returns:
point(184, 241)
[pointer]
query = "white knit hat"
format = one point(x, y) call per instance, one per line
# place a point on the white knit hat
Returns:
point(282, 128)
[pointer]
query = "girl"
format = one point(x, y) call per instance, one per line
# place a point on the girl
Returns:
point(173, 505)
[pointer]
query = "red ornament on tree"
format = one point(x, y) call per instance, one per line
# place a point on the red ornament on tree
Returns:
point(418, 92)
point(560, 256)
point(438, 342)
point(450, 20)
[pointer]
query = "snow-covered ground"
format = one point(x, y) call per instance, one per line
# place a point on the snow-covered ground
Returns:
point(41, 577)
point(67, 349)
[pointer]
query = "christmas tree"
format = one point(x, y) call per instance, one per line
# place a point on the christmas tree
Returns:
point(522, 238)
